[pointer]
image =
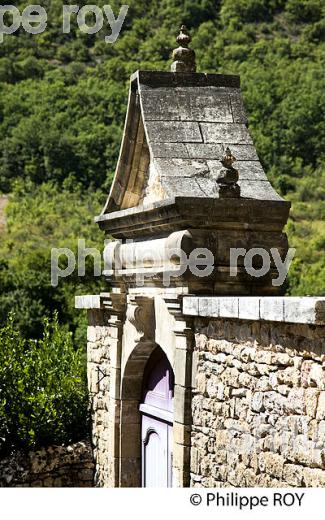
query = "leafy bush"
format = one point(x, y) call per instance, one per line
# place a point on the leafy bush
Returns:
point(305, 11)
point(43, 393)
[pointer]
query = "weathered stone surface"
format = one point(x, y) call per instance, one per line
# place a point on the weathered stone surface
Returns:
point(220, 133)
point(172, 151)
point(209, 105)
point(237, 107)
point(293, 474)
point(52, 466)
point(183, 168)
point(260, 426)
point(272, 464)
point(205, 151)
point(321, 407)
point(257, 189)
point(314, 477)
point(174, 132)
point(272, 309)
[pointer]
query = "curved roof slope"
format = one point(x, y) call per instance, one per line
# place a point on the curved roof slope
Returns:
point(177, 128)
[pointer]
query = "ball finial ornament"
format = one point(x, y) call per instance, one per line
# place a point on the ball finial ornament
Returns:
point(183, 57)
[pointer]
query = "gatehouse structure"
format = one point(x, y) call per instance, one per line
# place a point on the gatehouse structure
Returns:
point(200, 372)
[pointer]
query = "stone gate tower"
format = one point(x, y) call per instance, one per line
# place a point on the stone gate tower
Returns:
point(188, 190)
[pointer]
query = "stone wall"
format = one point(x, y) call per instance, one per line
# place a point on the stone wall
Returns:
point(258, 404)
point(98, 369)
point(54, 466)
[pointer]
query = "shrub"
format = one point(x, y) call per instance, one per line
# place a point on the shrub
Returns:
point(304, 11)
point(43, 391)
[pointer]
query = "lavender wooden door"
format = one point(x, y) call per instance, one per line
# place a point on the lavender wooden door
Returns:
point(157, 422)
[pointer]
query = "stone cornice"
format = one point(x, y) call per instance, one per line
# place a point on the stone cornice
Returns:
point(191, 212)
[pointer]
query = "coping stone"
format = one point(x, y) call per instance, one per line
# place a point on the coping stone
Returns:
point(88, 302)
point(286, 309)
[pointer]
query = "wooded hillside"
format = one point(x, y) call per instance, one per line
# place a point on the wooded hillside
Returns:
point(62, 105)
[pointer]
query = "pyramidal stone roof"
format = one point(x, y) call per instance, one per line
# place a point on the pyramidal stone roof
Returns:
point(178, 126)
point(188, 177)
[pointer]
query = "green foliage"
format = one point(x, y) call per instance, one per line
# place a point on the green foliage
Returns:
point(62, 106)
point(302, 11)
point(43, 393)
point(41, 218)
point(247, 11)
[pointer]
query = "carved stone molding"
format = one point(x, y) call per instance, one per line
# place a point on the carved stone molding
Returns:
point(141, 314)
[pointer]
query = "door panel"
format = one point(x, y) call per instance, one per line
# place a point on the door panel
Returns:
point(156, 416)
point(155, 464)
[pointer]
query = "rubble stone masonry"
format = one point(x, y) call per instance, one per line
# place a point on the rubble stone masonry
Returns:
point(258, 404)
point(51, 466)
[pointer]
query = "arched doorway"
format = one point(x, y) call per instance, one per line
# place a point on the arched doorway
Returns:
point(157, 421)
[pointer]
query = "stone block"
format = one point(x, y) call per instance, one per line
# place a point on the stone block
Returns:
point(182, 367)
point(181, 457)
point(262, 356)
point(173, 132)
point(296, 401)
point(289, 376)
point(293, 475)
point(228, 307)
point(272, 464)
point(314, 477)
point(182, 405)
point(182, 434)
point(257, 402)
point(201, 382)
point(209, 307)
point(279, 358)
point(237, 106)
point(191, 306)
point(215, 388)
point(317, 376)
point(249, 308)
point(311, 401)
point(206, 105)
point(321, 407)
point(303, 309)
point(230, 377)
point(220, 133)
point(205, 151)
point(272, 309)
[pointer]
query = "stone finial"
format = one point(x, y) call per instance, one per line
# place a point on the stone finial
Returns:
point(228, 160)
point(183, 57)
point(227, 178)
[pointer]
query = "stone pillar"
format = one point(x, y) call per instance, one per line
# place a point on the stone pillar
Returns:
point(105, 318)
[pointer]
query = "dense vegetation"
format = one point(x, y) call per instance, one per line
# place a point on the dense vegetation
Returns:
point(43, 395)
point(39, 218)
point(62, 105)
